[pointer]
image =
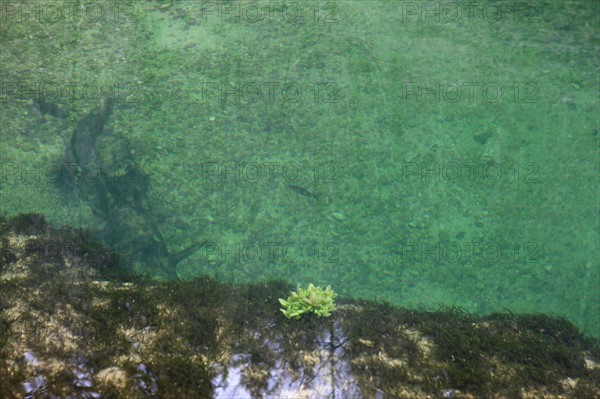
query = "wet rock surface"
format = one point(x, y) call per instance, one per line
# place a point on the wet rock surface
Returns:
point(73, 324)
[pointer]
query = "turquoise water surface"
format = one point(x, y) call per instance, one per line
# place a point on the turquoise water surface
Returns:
point(421, 153)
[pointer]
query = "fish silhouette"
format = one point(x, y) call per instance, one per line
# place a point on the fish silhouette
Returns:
point(302, 191)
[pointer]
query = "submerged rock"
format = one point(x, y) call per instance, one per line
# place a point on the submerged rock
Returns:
point(72, 325)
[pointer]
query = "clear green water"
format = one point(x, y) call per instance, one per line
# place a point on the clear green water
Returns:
point(454, 158)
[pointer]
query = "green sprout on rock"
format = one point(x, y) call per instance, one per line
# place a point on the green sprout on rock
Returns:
point(309, 300)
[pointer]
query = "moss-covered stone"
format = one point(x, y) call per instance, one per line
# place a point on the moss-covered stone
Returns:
point(72, 324)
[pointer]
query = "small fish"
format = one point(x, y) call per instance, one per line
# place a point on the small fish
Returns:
point(302, 191)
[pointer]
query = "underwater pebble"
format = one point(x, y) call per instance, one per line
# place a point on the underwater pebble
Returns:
point(338, 216)
point(113, 376)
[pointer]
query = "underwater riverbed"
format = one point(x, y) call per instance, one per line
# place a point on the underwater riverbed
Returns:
point(422, 154)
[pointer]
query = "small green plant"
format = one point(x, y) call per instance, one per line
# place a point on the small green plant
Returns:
point(309, 300)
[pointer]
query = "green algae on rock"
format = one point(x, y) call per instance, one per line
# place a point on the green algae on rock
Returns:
point(72, 325)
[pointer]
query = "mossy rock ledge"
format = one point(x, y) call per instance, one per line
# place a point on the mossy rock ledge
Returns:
point(74, 325)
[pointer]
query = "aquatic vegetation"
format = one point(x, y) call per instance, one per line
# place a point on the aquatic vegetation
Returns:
point(312, 299)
